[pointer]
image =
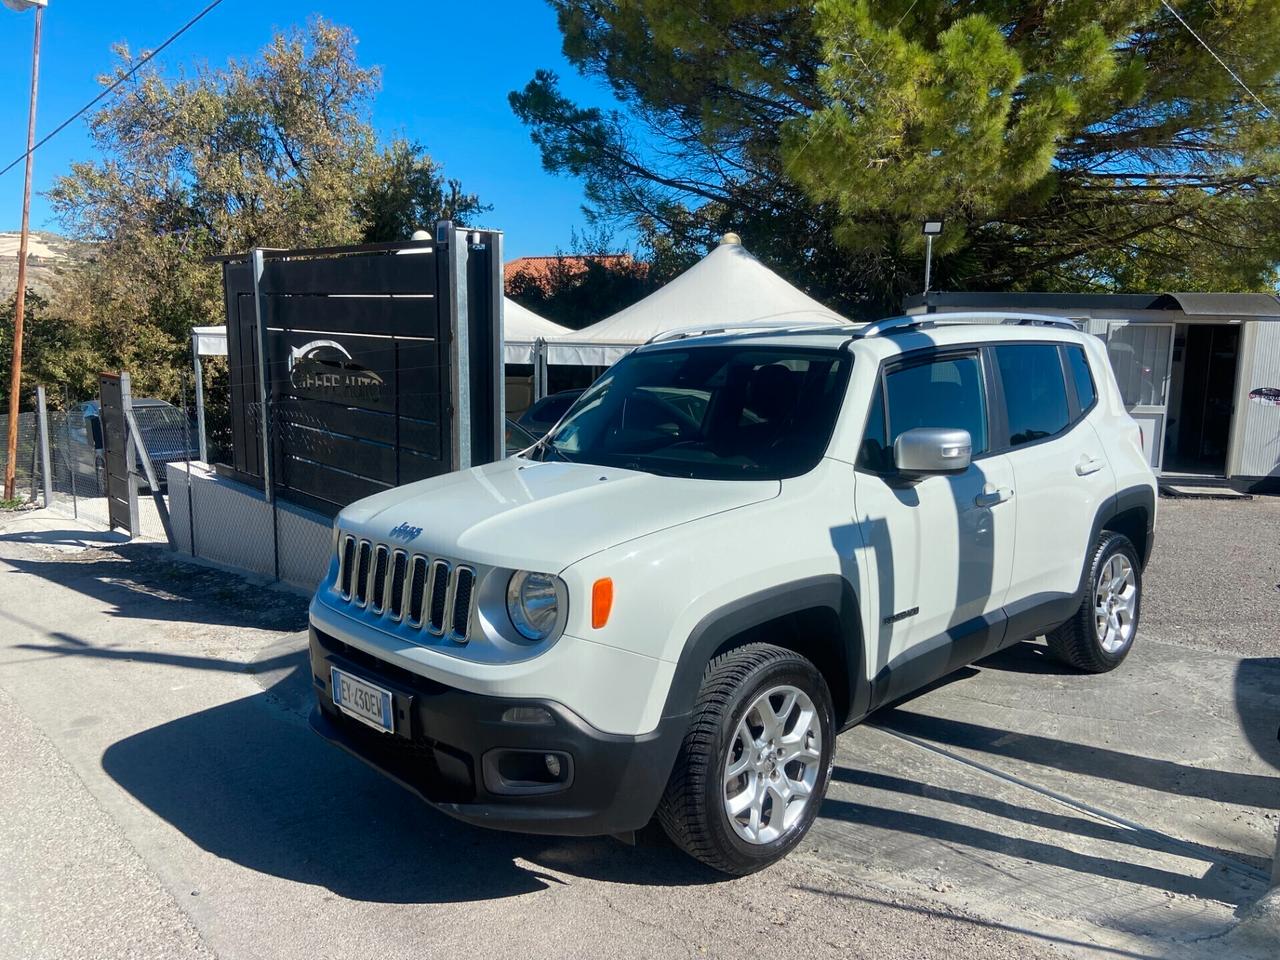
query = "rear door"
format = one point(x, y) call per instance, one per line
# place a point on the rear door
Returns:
point(1060, 475)
point(938, 550)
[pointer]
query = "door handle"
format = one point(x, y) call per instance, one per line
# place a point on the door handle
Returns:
point(1088, 465)
point(990, 496)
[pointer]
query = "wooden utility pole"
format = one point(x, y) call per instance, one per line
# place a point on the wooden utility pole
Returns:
point(15, 382)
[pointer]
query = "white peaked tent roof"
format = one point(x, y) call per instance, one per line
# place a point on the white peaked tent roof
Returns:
point(520, 327)
point(728, 286)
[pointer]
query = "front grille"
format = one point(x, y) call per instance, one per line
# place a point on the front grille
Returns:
point(426, 593)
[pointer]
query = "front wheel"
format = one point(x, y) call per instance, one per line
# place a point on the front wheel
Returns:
point(755, 763)
point(1100, 633)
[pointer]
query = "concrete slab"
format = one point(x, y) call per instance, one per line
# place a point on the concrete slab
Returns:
point(1014, 810)
point(1129, 809)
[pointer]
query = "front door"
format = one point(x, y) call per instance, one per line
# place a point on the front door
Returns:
point(1142, 358)
point(938, 551)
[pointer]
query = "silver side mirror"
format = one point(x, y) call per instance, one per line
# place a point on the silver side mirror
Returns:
point(928, 450)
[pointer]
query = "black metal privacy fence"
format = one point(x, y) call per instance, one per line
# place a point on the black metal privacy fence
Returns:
point(358, 369)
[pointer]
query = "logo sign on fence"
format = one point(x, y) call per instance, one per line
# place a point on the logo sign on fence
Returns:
point(325, 368)
point(1268, 396)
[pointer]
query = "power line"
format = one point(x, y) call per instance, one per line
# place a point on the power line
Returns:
point(1234, 76)
point(119, 80)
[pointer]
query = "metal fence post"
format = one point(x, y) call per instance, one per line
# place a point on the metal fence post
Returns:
point(198, 370)
point(186, 455)
point(68, 455)
point(539, 369)
point(42, 415)
point(264, 400)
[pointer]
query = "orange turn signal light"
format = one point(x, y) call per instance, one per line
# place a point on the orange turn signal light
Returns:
point(601, 602)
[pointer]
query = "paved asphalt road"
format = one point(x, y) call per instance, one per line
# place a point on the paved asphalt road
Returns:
point(162, 796)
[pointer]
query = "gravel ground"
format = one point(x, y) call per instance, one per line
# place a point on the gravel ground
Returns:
point(1214, 577)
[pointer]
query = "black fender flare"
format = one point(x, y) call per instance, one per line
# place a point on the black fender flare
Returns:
point(830, 591)
point(1122, 501)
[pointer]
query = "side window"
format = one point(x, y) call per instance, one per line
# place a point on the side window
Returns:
point(875, 454)
point(1086, 392)
point(1035, 393)
point(946, 392)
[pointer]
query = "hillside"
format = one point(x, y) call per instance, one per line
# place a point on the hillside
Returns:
point(46, 253)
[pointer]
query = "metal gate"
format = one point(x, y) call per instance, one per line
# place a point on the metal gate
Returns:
point(118, 452)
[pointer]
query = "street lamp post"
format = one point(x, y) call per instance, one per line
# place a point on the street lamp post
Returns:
point(930, 229)
point(15, 382)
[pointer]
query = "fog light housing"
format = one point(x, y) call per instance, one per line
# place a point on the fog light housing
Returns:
point(526, 772)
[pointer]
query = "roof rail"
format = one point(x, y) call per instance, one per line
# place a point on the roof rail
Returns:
point(926, 321)
point(746, 326)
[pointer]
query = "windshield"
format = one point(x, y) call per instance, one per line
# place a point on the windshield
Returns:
point(733, 412)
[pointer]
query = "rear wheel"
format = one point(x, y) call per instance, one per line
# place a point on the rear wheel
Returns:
point(1100, 634)
point(755, 763)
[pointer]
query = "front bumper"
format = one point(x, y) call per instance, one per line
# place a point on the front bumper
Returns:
point(448, 741)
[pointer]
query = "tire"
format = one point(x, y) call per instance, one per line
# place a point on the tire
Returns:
point(1090, 641)
point(740, 689)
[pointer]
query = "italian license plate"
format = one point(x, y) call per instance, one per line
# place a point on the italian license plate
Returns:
point(364, 701)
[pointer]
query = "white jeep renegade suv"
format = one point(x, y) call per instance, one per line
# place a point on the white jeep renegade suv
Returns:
point(731, 548)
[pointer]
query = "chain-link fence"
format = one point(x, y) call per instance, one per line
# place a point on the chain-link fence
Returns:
point(27, 470)
point(77, 463)
point(191, 507)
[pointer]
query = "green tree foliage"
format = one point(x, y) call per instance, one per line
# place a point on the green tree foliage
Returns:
point(278, 152)
point(53, 353)
point(1069, 143)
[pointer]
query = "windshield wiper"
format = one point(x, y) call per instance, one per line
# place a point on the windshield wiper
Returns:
point(547, 447)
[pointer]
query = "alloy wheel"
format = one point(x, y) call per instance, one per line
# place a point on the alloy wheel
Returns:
point(1115, 603)
point(773, 764)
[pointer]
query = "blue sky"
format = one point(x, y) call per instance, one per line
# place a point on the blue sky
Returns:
point(447, 69)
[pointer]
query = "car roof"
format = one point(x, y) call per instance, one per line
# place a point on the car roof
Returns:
point(883, 338)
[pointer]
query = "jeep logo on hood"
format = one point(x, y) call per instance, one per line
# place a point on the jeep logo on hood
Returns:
point(405, 533)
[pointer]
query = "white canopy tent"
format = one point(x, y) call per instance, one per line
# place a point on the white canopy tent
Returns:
point(728, 286)
point(520, 328)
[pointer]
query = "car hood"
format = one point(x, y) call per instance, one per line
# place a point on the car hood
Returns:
point(540, 516)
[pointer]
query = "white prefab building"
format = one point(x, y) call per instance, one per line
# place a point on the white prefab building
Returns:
point(1199, 371)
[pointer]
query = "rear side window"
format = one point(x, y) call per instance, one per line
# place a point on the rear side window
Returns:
point(1086, 392)
point(946, 392)
point(1034, 392)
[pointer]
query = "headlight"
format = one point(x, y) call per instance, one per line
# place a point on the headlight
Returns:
point(533, 604)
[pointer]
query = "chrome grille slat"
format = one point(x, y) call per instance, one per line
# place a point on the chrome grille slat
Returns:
point(346, 558)
point(464, 582)
point(364, 556)
point(417, 590)
point(396, 590)
point(438, 596)
point(378, 585)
